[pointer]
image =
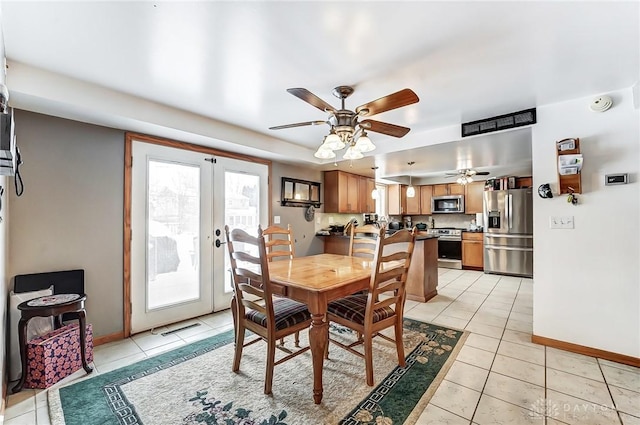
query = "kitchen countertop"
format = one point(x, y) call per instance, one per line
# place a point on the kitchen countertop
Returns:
point(421, 235)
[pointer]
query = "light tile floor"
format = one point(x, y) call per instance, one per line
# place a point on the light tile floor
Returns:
point(499, 376)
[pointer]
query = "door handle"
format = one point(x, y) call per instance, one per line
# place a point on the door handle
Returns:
point(218, 243)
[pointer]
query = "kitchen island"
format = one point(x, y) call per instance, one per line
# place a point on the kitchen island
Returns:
point(422, 281)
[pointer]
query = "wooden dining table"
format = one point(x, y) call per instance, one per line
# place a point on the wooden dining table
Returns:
point(317, 280)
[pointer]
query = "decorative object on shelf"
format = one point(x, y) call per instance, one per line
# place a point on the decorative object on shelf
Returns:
point(310, 213)
point(411, 191)
point(345, 129)
point(299, 193)
point(572, 198)
point(465, 176)
point(544, 190)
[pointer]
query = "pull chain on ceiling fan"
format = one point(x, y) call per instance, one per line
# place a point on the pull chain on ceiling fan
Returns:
point(346, 130)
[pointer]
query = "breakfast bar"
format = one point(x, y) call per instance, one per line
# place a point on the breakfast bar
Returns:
point(422, 281)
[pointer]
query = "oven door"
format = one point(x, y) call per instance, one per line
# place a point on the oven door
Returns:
point(450, 249)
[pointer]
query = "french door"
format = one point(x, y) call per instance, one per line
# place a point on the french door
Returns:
point(180, 202)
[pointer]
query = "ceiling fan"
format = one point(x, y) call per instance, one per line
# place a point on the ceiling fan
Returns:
point(346, 128)
point(466, 175)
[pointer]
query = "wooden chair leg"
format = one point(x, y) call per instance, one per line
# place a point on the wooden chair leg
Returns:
point(400, 343)
point(297, 339)
point(281, 341)
point(368, 358)
point(238, 351)
point(271, 355)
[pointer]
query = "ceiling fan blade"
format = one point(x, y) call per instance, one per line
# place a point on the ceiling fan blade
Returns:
point(298, 124)
point(482, 173)
point(384, 128)
point(311, 99)
point(395, 100)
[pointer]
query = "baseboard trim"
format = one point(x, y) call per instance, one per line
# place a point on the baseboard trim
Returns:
point(108, 338)
point(587, 351)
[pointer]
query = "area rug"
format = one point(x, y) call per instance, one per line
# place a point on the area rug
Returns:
point(195, 385)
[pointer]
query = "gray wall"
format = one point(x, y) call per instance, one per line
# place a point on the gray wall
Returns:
point(71, 213)
point(306, 241)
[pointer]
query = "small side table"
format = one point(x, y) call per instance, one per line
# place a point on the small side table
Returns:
point(50, 305)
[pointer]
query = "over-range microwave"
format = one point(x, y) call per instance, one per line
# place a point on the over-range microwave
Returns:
point(449, 204)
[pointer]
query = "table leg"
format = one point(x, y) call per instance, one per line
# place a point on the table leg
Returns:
point(318, 341)
point(83, 341)
point(22, 341)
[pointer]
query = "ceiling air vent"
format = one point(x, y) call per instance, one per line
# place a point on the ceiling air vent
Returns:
point(501, 122)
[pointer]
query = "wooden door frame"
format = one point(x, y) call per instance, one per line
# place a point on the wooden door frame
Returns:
point(128, 164)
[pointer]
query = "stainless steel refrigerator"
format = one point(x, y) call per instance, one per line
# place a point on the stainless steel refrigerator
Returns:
point(508, 232)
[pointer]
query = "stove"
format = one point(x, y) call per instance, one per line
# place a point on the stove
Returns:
point(447, 233)
point(449, 247)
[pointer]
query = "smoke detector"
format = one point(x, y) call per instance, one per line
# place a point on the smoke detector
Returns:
point(601, 104)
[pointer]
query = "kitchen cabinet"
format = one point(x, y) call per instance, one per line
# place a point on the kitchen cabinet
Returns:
point(341, 192)
point(413, 204)
point(472, 250)
point(474, 197)
point(426, 193)
point(399, 204)
point(448, 189)
point(366, 202)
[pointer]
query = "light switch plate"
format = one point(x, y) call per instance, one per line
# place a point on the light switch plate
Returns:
point(561, 222)
point(276, 219)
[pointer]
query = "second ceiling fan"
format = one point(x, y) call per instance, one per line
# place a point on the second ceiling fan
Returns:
point(466, 175)
point(346, 128)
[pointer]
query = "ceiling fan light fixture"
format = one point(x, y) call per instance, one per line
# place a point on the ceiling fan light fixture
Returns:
point(333, 141)
point(353, 153)
point(364, 144)
point(324, 153)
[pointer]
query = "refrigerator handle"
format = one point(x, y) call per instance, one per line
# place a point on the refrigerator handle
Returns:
point(510, 210)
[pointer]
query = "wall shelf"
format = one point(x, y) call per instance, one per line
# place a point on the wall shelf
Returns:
point(570, 150)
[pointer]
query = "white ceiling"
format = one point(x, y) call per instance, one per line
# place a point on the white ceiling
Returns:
point(216, 73)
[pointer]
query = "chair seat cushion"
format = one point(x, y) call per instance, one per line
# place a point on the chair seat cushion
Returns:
point(287, 313)
point(353, 308)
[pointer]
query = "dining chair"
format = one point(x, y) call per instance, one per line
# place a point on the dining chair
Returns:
point(256, 308)
point(382, 307)
point(363, 240)
point(277, 237)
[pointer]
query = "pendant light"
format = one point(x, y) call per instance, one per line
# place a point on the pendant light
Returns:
point(411, 191)
point(374, 192)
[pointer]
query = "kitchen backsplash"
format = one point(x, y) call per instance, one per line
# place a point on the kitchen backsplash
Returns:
point(459, 221)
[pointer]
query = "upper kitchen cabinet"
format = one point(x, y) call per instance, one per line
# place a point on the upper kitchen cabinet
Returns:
point(367, 203)
point(426, 192)
point(341, 192)
point(448, 189)
point(399, 204)
point(474, 197)
point(413, 204)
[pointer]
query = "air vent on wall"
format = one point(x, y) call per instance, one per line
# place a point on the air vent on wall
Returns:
point(501, 122)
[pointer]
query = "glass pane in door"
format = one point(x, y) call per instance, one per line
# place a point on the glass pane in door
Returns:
point(242, 202)
point(173, 206)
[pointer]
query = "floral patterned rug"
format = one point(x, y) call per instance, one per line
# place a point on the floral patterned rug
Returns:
point(195, 385)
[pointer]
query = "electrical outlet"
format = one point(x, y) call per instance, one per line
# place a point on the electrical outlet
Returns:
point(276, 219)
